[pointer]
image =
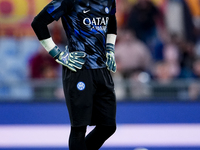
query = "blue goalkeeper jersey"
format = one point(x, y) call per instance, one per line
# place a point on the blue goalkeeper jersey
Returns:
point(86, 27)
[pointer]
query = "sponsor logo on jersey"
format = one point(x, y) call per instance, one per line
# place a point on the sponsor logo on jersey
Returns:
point(86, 11)
point(81, 86)
point(98, 23)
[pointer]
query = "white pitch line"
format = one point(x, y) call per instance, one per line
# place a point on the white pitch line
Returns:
point(126, 135)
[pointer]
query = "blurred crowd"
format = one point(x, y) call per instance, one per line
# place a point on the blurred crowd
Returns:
point(164, 36)
point(158, 41)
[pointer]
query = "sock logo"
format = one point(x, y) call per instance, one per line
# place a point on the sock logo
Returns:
point(81, 86)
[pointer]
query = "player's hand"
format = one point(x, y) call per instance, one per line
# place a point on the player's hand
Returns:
point(73, 60)
point(110, 55)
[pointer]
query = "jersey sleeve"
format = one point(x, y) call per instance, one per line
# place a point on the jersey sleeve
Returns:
point(112, 25)
point(113, 9)
point(57, 8)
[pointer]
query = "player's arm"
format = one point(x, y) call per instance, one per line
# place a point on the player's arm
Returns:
point(110, 43)
point(52, 12)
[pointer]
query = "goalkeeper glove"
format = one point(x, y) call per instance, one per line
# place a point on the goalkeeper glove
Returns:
point(73, 60)
point(110, 55)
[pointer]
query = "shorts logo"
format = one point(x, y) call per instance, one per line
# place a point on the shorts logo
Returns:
point(81, 86)
point(107, 10)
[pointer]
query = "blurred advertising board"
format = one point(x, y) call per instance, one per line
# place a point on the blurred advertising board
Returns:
point(17, 15)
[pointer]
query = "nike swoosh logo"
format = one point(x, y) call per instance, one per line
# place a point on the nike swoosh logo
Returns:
point(86, 11)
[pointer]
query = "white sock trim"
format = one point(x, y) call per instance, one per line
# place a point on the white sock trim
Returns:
point(48, 44)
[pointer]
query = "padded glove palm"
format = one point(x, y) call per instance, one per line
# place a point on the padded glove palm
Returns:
point(110, 55)
point(72, 60)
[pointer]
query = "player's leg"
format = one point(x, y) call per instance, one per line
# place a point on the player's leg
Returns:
point(78, 89)
point(95, 139)
point(104, 110)
point(77, 138)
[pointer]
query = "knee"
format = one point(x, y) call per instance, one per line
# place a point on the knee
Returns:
point(78, 131)
point(108, 130)
point(112, 129)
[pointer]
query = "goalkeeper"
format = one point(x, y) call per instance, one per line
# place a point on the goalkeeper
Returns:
point(90, 27)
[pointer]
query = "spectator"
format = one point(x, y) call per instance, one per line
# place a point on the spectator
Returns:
point(43, 66)
point(196, 68)
point(143, 21)
point(123, 11)
point(194, 91)
point(171, 55)
point(179, 20)
point(162, 73)
point(187, 54)
point(163, 77)
point(132, 56)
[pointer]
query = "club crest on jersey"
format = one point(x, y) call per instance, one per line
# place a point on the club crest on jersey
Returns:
point(107, 10)
point(80, 86)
